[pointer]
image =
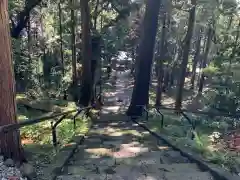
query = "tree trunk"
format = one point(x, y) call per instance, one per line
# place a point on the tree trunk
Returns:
point(144, 59)
point(86, 89)
point(133, 60)
point(10, 143)
point(205, 58)
point(43, 48)
point(96, 51)
point(74, 60)
point(29, 36)
point(61, 38)
point(160, 71)
point(96, 14)
point(174, 64)
point(187, 46)
point(196, 60)
point(235, 45)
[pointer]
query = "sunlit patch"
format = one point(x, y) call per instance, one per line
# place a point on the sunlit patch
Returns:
point(123, 154)
point(69, 144)
point(100, 151)
point(113, 124)
point(106, 110)
point(20, 96)
point(128, 150)
point(147, 178)
point(108, 94)
point(27, 141)
point(163, 147)
point(145, 133)
point(114, 134)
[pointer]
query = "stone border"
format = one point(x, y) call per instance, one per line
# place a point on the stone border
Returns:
point(65, 154)
point(217, 172)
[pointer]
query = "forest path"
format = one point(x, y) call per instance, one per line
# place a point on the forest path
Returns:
point(116, 148)
point(117, 92)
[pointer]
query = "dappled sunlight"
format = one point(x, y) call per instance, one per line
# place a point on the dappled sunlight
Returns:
point(27, 141)
point(99, 151)
point(122, 150)
point(108, 94)
point(20, 96)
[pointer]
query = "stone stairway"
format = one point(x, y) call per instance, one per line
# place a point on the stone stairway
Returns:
point(118, 149)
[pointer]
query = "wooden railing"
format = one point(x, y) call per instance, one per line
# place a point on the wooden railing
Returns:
point(13, 127)
point(183, 113)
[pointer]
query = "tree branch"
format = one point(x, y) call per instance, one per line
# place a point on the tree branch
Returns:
point(23, 17)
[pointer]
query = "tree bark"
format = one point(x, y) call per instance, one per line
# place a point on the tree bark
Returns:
point(235, 45)
point(10, 143)
point(160, 72)
point(205, 58)
point(86, 89)
point(23, 17)
point(187, 46)
point(29, 36)
point(196, 60)
point(73, 29)
point(96, 14)
point(144, 59)
point(61, 38)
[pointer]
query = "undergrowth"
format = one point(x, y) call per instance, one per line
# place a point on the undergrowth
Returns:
point(207, 142)
point(37, 138)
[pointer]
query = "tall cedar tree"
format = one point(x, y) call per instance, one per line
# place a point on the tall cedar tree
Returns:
point(188, 38)
point(86, 90)
point(160, 62)
point(10, 143)
point(144, 59)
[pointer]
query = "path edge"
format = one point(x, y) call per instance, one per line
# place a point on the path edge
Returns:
point(217, 172)
point(65, 154)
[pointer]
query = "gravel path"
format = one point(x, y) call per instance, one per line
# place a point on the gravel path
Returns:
point(8, 171)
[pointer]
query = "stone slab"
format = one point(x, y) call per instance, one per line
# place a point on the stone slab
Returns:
point(80, 177)
point(155, 168)
point(188, 176)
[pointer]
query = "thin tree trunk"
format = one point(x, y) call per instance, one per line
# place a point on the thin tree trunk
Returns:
point(44, 58)
point(74, 60)
point(29, 41)
point(86, 90)
point(187, 46)
point(96, 14)
point(205, 58)
point(174, 64)
point(10, 143)
point(166, 82)
point(235, 45)
point(196, 60)
point(61, 37)
point(29, 36)
point(160, 63)
point(144, 59)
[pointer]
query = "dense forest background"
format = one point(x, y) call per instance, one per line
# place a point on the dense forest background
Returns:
point(181, 54)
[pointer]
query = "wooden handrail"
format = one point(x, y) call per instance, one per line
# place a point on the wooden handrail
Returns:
point(13, 127)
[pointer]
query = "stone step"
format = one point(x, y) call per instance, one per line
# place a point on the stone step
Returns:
point(86, 169)
point(140, 176)
point(81, 177)
point(112, 118)
point(170, 157)
point(98, 161)
point(181, 167)
point(188, 176)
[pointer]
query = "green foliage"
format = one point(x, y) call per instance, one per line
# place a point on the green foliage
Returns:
point(41, 133)
point(224, 94)
point(211, 70)
point(206, 136)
